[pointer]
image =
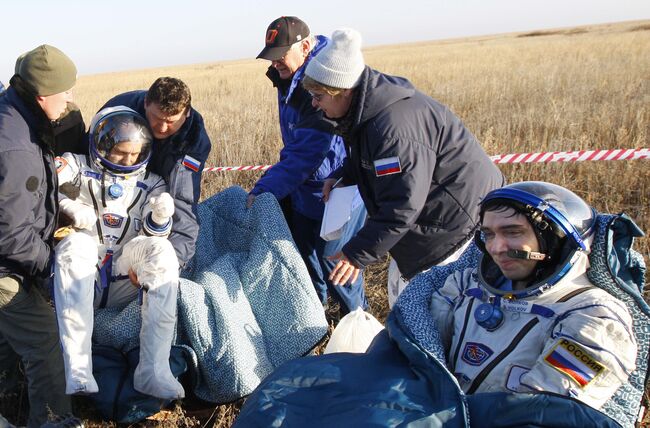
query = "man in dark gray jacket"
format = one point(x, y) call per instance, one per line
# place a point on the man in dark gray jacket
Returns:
point(37, 96)
point(420, 172)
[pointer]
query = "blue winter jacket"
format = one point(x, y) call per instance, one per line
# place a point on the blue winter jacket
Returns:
point(311, 151)
point(167, 160)
point(28, 189)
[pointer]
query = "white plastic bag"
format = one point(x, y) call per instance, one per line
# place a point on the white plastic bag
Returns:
point(354, 332)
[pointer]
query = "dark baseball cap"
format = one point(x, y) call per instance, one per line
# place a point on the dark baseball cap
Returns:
point(280, 35)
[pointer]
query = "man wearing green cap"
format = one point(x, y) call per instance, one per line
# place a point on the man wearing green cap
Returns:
point(38, 95)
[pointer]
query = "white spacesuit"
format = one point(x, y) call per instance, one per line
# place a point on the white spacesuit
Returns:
point(122, 214)
point(560, 333)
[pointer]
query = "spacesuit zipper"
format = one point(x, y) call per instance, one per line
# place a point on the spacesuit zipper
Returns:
point(95, 205)
point(128, 218)
point(462, 333)
point(486, 371)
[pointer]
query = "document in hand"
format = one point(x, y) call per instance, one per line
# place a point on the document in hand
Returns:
point(338, 208)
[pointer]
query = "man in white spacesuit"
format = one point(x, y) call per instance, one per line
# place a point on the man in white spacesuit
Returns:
point(119, 251)
point(527, 318)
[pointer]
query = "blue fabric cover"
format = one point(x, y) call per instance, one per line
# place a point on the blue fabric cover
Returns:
point(423, 392)
point(117, 399)
point(378, 388)
point(246, 302)
point(620, 271)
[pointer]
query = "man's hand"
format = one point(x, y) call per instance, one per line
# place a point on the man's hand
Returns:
point(162, 208)
point(83, 216)
point(250, 200)
point(328, 185)
point(344, 271)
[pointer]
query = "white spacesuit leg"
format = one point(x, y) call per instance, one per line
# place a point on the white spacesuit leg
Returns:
point(154, 261)
point(74, 287)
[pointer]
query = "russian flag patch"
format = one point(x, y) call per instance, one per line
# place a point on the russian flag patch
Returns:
point(387, 166)
point(574, 361)
point(190, 163)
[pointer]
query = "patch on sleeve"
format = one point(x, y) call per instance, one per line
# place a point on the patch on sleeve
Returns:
point(60, 163)
point(574, 361)
point(476, 354)
point(190, 163)
point(387, 166)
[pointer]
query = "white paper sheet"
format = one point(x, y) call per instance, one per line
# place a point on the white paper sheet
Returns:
point(338, 208)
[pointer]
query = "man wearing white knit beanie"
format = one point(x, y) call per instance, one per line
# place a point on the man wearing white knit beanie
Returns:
point(420, 172)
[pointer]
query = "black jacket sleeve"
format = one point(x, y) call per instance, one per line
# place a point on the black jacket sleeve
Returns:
point(399, 198)
point(70, 133)
point(20, 244)
point(185, 187)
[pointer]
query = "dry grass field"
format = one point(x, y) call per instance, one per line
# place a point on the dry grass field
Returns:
point(568, 89)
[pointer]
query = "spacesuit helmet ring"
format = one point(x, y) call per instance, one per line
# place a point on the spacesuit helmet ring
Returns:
point(563, 223)
point(120, 141)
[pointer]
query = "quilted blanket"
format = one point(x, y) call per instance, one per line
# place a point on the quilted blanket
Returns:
point(246, 303)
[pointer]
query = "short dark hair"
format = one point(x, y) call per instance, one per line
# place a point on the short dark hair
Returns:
point(170, 94)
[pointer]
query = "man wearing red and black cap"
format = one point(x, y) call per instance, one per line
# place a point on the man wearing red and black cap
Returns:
point(311, 152)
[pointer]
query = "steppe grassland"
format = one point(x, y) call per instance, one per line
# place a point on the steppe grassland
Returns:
point(585, 88)
point(541, 91)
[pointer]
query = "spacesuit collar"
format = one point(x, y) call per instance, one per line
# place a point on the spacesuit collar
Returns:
point(492, 280)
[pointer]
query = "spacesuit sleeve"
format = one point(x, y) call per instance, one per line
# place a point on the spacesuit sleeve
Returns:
point(150, 228)
point(591, 351)
point(67, 171)
point(444, 300)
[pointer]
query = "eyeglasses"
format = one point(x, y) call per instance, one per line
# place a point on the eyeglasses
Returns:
point(317, 97)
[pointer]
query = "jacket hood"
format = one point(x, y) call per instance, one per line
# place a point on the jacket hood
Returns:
point(28, 107)
point(376, 91)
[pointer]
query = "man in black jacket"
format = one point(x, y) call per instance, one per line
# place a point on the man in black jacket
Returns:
point(70, 132)
point(420, 172)
point(180, 149)
point(37, 96)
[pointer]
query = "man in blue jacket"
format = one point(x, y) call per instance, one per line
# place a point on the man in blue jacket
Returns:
point(310, 154)
point(420, 171)
point(180, 149)
point(36, 98)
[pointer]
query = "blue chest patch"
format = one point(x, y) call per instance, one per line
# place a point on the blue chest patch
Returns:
point(92, 174)
point(476, 354)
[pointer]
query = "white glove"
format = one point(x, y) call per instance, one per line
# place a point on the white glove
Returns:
point(83, 216)
point(162, 208)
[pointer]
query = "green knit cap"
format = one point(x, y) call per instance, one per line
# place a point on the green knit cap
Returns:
point(47, 70)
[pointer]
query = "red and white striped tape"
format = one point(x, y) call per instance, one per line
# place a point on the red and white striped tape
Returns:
point(572, 156)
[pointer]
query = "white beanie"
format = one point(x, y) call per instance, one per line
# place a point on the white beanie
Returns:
point(340, 63)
